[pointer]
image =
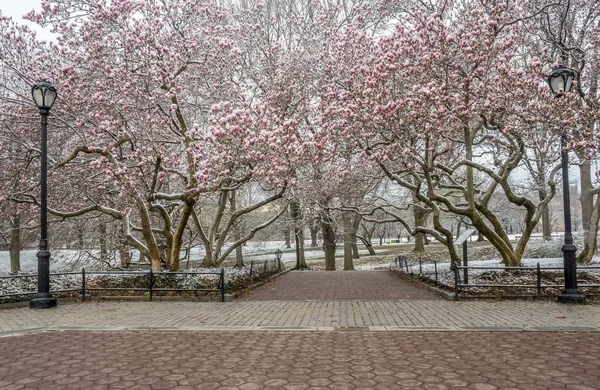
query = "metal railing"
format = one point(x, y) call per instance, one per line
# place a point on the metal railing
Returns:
point(459, 279)
point(150, 285)
point(265, 267)
point(401, 263)
point(459, 284)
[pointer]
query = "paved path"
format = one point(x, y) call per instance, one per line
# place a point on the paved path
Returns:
point(306, 315)
point(293, 360)
point(340, 343)
point(341, 285)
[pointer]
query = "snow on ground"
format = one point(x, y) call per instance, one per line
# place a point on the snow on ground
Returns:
point(446, 277)
point(63, 259)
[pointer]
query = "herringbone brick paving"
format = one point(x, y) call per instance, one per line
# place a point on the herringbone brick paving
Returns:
point(326, 285)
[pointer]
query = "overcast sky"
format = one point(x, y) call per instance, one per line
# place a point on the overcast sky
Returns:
point(17, 8)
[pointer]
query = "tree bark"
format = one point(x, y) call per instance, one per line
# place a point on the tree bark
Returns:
point(15, 245)
point(590, 238)
point(314, 231)
point(301, 249)
point(80, 235)
point(546, 228)
point(420, 216)
point(288, 241)
point(348, 243)
point(296, 216)
point(124, 256)
point(356, 218)
point(103, 243)
point(239, 258)
point(590, 211)
point(328, 240)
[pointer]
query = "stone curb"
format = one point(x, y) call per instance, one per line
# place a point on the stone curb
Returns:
point(492, 329)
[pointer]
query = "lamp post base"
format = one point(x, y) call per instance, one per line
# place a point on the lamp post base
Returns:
point(42, 301)
point(572, 296)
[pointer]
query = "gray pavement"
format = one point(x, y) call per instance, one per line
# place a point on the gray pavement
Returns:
point(306, 315)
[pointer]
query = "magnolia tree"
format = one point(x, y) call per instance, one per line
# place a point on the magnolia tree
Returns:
point(168, 110)
point(570, 34)
point(448, 106)
point(157, 117)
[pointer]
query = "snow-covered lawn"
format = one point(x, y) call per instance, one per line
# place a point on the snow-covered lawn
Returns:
point(64, 260)
point(551, 274)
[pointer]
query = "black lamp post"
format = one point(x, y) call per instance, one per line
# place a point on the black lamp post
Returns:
point(278, 254)
point(561, 82)
point(44, 95)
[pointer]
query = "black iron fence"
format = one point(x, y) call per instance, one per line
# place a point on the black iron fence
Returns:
point(148, 283)
point(418, 266)
point(538, 276)
point(264, 267)
point(535, 281)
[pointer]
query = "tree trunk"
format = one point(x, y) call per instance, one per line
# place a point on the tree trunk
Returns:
point(348, 244)
point(288, 241)
point(547, 229)
point(300, 244)
point(590, 211)
point(356, 218)
point(80, 235)
point(124, 256)
point(420, 216)
point(15, 245)
point(328, 240)
point(103, 243)
point(367, 242)
point(590, 239)
point(177, 237)
point(239, 258)
point(314, 231)
point(296, 216)
point(541, 183)
point(587, 196)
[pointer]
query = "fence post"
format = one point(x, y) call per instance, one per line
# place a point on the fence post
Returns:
point(222, 284)
point(456, 282)
point(251, 265)
point(151, 283)
point(82, 284)
point(406, 263)
point(435, 267)
point(539, 280)
point(420, 266)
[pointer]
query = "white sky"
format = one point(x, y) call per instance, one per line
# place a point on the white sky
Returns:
point(17, 8)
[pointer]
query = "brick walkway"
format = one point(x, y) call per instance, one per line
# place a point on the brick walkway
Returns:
point(334, 342)
point(320, 360)
point(389, 315)
point(341, 285)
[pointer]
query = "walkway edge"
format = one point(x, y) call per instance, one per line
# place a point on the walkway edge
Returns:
point(296, 329)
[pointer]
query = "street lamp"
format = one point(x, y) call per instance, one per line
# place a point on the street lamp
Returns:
point(560, 81)
point(44, 95)
point(278, 254)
